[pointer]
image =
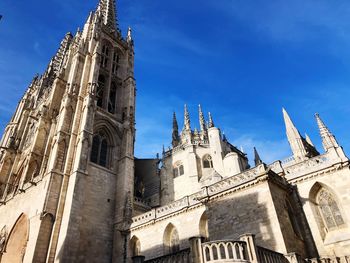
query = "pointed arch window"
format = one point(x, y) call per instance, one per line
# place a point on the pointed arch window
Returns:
point(178, 169)
point(171, 239)
point(329, 210)
point(112, 98)
point(100, 90)
point(174, 241)
point(104, 57)
point(99, 150)
point(207, 161)
point(115, 65)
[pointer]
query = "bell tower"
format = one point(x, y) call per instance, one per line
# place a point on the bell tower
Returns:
point(71, 144)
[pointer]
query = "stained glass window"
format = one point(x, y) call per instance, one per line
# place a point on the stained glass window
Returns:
point(99, 150)
point(329, 209)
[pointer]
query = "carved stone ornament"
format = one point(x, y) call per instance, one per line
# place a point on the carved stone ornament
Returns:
point(3, 236)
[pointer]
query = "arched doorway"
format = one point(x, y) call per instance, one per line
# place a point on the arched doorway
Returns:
point(17, 241)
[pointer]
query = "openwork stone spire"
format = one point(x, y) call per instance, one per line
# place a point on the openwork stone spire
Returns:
point(187, 122)
point(201, 119)
point(108, 13)
point(328, 139)
point(211, 122)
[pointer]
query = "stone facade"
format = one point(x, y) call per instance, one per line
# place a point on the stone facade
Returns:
point(72, 191)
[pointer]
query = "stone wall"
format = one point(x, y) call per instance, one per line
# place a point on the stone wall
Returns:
point(30, 204)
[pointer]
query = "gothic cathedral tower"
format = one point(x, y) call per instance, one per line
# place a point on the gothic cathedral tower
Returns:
point(67, 155)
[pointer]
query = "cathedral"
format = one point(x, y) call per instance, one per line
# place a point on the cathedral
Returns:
point(71, 189)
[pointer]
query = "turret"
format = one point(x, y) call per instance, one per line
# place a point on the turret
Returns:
point(216, 147)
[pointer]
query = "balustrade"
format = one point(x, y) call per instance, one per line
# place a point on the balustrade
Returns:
point(224, 251)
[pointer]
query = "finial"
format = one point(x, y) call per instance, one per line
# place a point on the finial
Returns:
point(129, 37)
point(257, 159)
point(211, 122)
point(187, 122)
point(163, 150)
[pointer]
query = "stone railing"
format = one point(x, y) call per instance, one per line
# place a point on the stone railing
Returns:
point(288, 161)
point(268, 256)
point(308, 166)
point(343, 259)
point(182, 256)
point(196, 198)
point(224, 251)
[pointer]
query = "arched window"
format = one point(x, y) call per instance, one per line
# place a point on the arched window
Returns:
point(104, 56)
point(207, 161)
point(100, 90)
point(329, 210)
point(171, 240)
point(115, 63)
point(203, 226)
point(174, 241)
point(112, 98)
point(99, 150)
point(135, 247)
point(178, 169)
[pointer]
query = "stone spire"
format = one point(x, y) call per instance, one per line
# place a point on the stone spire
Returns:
point(295, 140)
point(201, 119)
point(187, 122)
point(107, 9)
point(175, 140)
point(257, 159)
point(308, 140)
point(211, 122)
point(328, 139)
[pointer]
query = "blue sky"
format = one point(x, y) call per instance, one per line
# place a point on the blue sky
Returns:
point(243, 60)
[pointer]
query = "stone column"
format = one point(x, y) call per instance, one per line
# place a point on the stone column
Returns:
point(196, 249)
point(251, 247)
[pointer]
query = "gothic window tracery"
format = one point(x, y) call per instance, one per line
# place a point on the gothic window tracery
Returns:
point(115, 65)
point(207, 161)
point(100, 90)
point(178, 169)
point(104, 56)
point(112, 98)
point(99, 150)
point(329, 210)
